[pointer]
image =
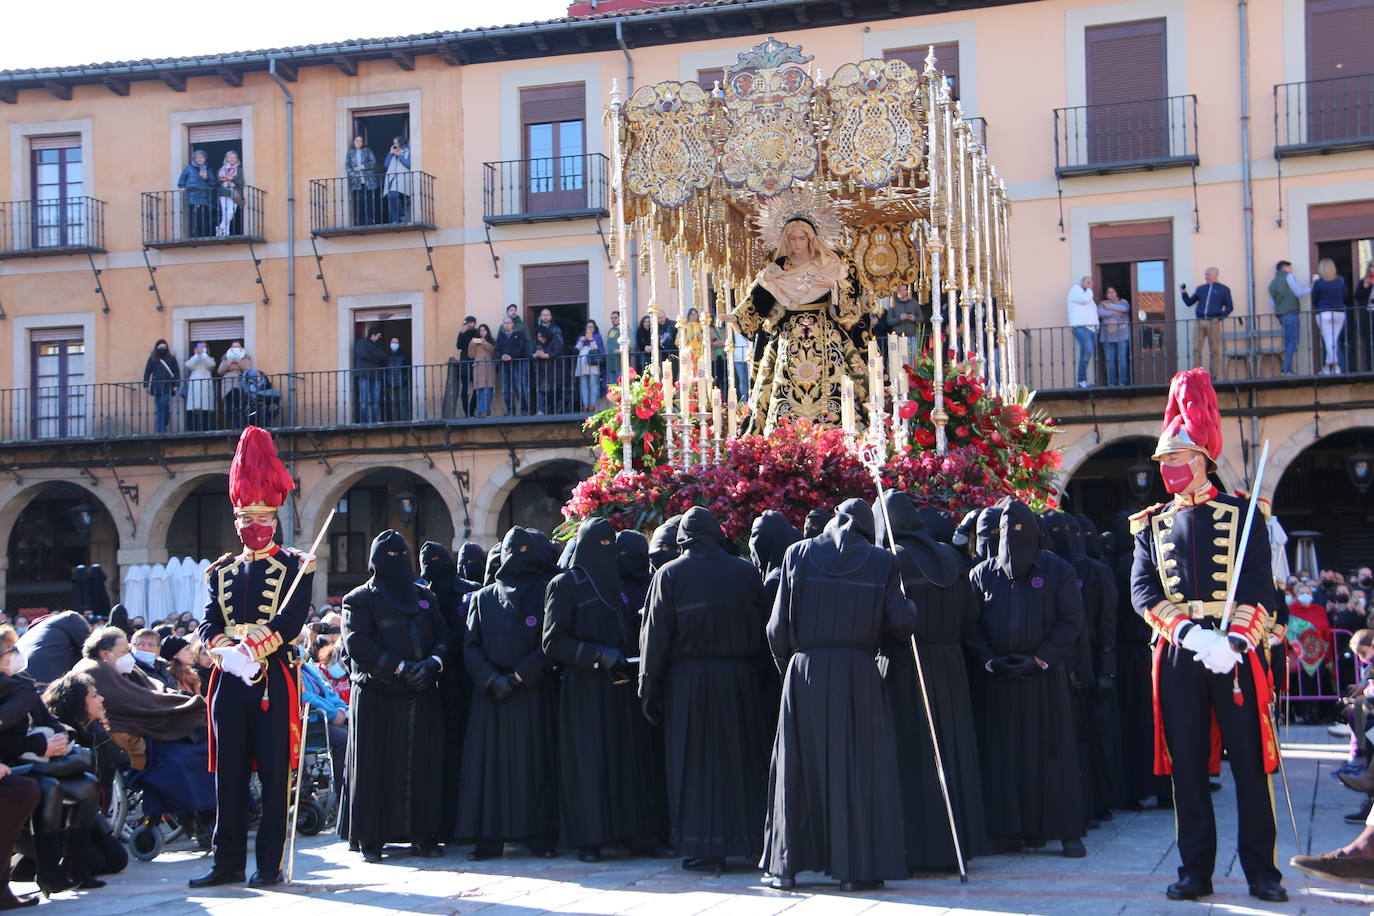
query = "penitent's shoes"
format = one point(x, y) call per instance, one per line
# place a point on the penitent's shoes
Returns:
point(1073, 849)
point(1188, 889)
point(858, 887)
point(780, 882)
point(215, 877)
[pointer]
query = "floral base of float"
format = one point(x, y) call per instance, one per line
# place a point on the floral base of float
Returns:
point(996, 448)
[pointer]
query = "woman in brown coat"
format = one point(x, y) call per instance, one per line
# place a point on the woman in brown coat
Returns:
point(482, 352)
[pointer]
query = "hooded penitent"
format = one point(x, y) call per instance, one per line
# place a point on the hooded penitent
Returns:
point(699, 532)
point(769, 537)
point(472, 561)
point(493, 562)
point(1092, 539)
point(663, 545)
point(815, 522)
point(633, 548)
point(595, 559)
point(1020, 541)
point(988, 532)
point(1063, 541)
point(393, 574)
point(914, 543)
point(437, 566)
point(844, 544)
point(938, 525)
point(965, 533)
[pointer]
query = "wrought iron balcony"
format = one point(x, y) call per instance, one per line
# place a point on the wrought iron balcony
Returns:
point(33, 228)
point(1250, 351)
point(1324, 116)
point(397, 202)
point(1125, 136)
point(174, 219)
point(542, 190)
point(980, 130)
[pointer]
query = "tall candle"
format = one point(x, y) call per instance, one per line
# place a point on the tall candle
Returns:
point(717, 413)
point(847, 406)
point(733, 421)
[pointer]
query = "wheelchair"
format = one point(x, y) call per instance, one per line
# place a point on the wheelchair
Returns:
point(151, 808)
point(319, 797)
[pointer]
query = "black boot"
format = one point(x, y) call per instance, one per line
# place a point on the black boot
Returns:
point(76, 857)
point(51, 878)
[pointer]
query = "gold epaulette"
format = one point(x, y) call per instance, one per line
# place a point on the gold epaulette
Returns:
point(1142, 518)
point(307, 559)
point(222, 561)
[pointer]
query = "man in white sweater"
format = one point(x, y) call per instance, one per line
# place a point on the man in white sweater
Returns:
point(1083, 322)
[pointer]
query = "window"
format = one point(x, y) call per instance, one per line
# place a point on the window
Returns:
point(57, 362)
point(216, 333)
point(1127, 117)
point(707, 79)
point(216, 140)
point(59, 189)
point(553, 129)
point(1339, 35)
point(946, 60)
point(563, 290)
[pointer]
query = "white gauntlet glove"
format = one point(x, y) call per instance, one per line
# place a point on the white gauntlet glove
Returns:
point(1219, 658)
point(237, 662)
point(1198, 640)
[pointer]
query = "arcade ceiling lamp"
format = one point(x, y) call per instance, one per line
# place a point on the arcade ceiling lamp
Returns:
point(405, 506)
point(83, 515)
point(1141, 478)
point(1360, 467)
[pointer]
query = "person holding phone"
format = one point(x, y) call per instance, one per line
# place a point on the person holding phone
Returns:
point(397, 185)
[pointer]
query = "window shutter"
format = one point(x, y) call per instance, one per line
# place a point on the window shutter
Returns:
point(1340, 36)
point(1126, 62)
point(555, 284)
point(946, 59)
point(1341, 222)
point(213, 329)
point(390, 313)
point(48, 335)
point(72, 141)
point(548, 104)
point(1132, 242)
point(214, 133)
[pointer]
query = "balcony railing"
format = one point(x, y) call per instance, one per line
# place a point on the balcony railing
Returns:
point(431, 394)
point(377, 203)
point(173, 219)
point(1125, 136)
point(32, 228)
point(980, 130)
point(1250, 350)
point(539, 190)
point(1324, 116)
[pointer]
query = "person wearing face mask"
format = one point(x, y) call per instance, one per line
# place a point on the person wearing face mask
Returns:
point(161, 379)
point(249, 625)
point(145, 645)
point(396, 639)
point(1311, 644)
point(200, 389)
point(1208, 680)
point(396, 382)
point(1024, 644)
point(232, 366)
point(19, 795)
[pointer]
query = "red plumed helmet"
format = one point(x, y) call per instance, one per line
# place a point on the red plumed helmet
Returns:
point(1191, 419)
point(258, 481)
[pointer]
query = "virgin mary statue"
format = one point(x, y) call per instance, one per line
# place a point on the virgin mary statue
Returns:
point(805, 318)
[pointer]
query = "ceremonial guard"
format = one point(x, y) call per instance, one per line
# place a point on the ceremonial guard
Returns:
point(251, 619)
point(1207, 674)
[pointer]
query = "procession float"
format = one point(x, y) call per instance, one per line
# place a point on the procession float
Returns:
point(875, 172)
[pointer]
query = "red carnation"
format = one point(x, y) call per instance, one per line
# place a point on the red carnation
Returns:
point(908, 410)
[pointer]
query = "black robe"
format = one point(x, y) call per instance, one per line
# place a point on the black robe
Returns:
point(934, 577)
point(1134, 692)
point(396, 736)
point(509, 784)
point(703, 631)
point(1028, 744)
point(834, 786)
point(606, 791)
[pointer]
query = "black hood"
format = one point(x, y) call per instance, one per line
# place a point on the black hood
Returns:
point(699, 532)
point(393, 577)
point(436, 565)
point(965, 533)
point(119, 617)
point(938, 524)
point(988, 533)
point(472, 561)
point(1092, 541)
point(1120, 529)
point(493, 563)
point(633, 548)
point(847, 540)
point(1020, 538)
point(1046, 543)
point(595, 559)
point(769, 537)
point(913, 540)
point(663, 545)
point(815, 523)
point(1062, 539)
point(519, 556)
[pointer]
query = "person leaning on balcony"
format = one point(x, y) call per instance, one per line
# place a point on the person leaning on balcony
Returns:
point(199, 186)
point(481, 352)
point(368, 359)
point(1328, 301)
point(360, 165)
point(465, 386)
point(230, 177)
point(232, 366)
point(200, 389)
point(396, 379)
point(1213, 302)
point(1364, 318)
point(1285, 292)
point(397, 184)
point(513, 352)
point(162, 377)
point(1115, 335)
point(1083, 323)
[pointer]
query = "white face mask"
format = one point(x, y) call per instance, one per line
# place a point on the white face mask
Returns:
point(234, 353)
point(125, 663)
point(395, 347)
point(17, 662)
point(145, 656)
point(1304, 599)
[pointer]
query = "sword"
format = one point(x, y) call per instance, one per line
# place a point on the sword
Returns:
point(872, 458)
point(1244, 539)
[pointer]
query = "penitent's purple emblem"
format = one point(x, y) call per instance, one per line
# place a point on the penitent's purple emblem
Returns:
point(1037, 582)
point(531, 620)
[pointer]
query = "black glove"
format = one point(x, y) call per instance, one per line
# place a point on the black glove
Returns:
point(652, 708)
point(501, 687)
point(1019, 665)
point(608, 658)
point(1105, 682)
point(419, 675)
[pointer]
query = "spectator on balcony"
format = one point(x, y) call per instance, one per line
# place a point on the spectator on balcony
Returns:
point(1364, 317)
point(1329, 302)
point(644, 339)
point(513, 352)
point(396, 381)
point(200, 389)
point(614, 342)
point(465, 367)
point(162, 378)
point(560, 380)
point(232, 366)
point(903, 317)
point(591, 357)
point(1285, 292)
point(1213, 303)
point(544, 361)
point(368, 360)
point(513, 313)
point(397, 185)
point(1114, 315)
point(195, 180)
point(360, 165)
point(481, 351)
point(1083, 324)
point(230, 193)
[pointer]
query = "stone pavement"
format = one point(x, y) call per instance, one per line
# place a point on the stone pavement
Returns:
point(1130, 860)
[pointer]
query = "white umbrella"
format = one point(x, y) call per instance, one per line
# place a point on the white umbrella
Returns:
point(1278, 540)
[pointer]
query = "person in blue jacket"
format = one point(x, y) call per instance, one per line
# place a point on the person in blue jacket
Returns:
point(1213, 303)
point(318, 695)
point(199, 186)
